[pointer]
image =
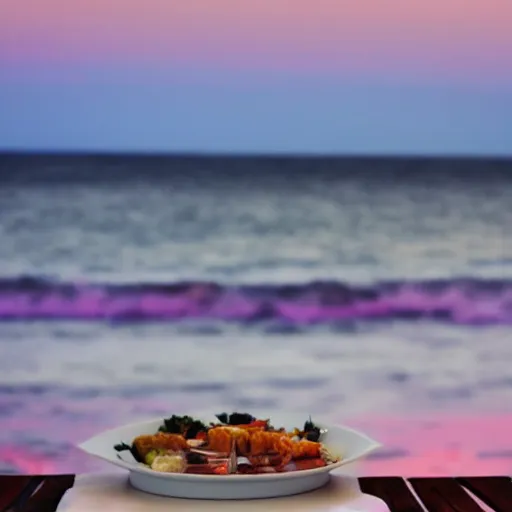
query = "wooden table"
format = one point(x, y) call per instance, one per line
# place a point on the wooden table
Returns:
point(437, 494)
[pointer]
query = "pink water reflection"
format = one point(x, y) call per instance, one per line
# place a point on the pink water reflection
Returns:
point(430, 445)
point(440, 445)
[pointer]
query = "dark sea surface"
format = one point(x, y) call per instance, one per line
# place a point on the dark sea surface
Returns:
point(377, 292)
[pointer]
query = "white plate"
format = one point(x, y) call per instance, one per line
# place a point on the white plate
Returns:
point(346, 442)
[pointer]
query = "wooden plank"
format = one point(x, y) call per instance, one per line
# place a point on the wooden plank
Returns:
point(392, 490)
point(10, 488)
point(437, 494)
point(48, 497)
point(28, 491)
point(494, 491)
point(444, 495)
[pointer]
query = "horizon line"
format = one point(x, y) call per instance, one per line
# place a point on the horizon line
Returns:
point(247, 155)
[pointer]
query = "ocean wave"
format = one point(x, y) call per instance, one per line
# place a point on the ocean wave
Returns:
point(463, 301)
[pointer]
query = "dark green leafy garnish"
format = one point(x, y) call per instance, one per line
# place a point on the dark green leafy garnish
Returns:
point(311, 431)
point(237, 418)
point(194, 428)
point(123, 447)
point(176, 424)
point(223, 418)
point(309, 425)
point(241, 419)
point(184, 425)
point(313, 435)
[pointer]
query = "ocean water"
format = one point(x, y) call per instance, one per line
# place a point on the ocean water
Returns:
point(375, 292)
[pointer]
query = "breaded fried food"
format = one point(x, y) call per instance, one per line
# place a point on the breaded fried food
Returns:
point(221, 438)
point(254, 443)
point(249, 442)
point(174, 442)
point(267, 442)
point(305, 449)
point(263, 443)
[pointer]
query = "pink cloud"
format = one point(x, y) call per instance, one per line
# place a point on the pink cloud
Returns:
point(454, 37)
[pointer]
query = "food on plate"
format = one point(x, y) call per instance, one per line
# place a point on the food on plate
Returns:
point(174, 463)
point(187, 445)
point(159, 441)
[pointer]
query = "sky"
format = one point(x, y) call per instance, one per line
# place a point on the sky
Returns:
point(265, 76)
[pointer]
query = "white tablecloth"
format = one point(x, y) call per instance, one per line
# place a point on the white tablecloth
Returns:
point(112, 493)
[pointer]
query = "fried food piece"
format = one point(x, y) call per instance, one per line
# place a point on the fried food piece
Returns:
point(250, 442)
point(267, 442)
point(220, 439)
point(254, 443)
point(173, 442)
point(305, 449)
point(264, 443)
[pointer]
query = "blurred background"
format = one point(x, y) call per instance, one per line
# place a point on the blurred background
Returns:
point(274, 205)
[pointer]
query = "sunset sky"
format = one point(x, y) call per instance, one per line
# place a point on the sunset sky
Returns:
point(380, 76)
